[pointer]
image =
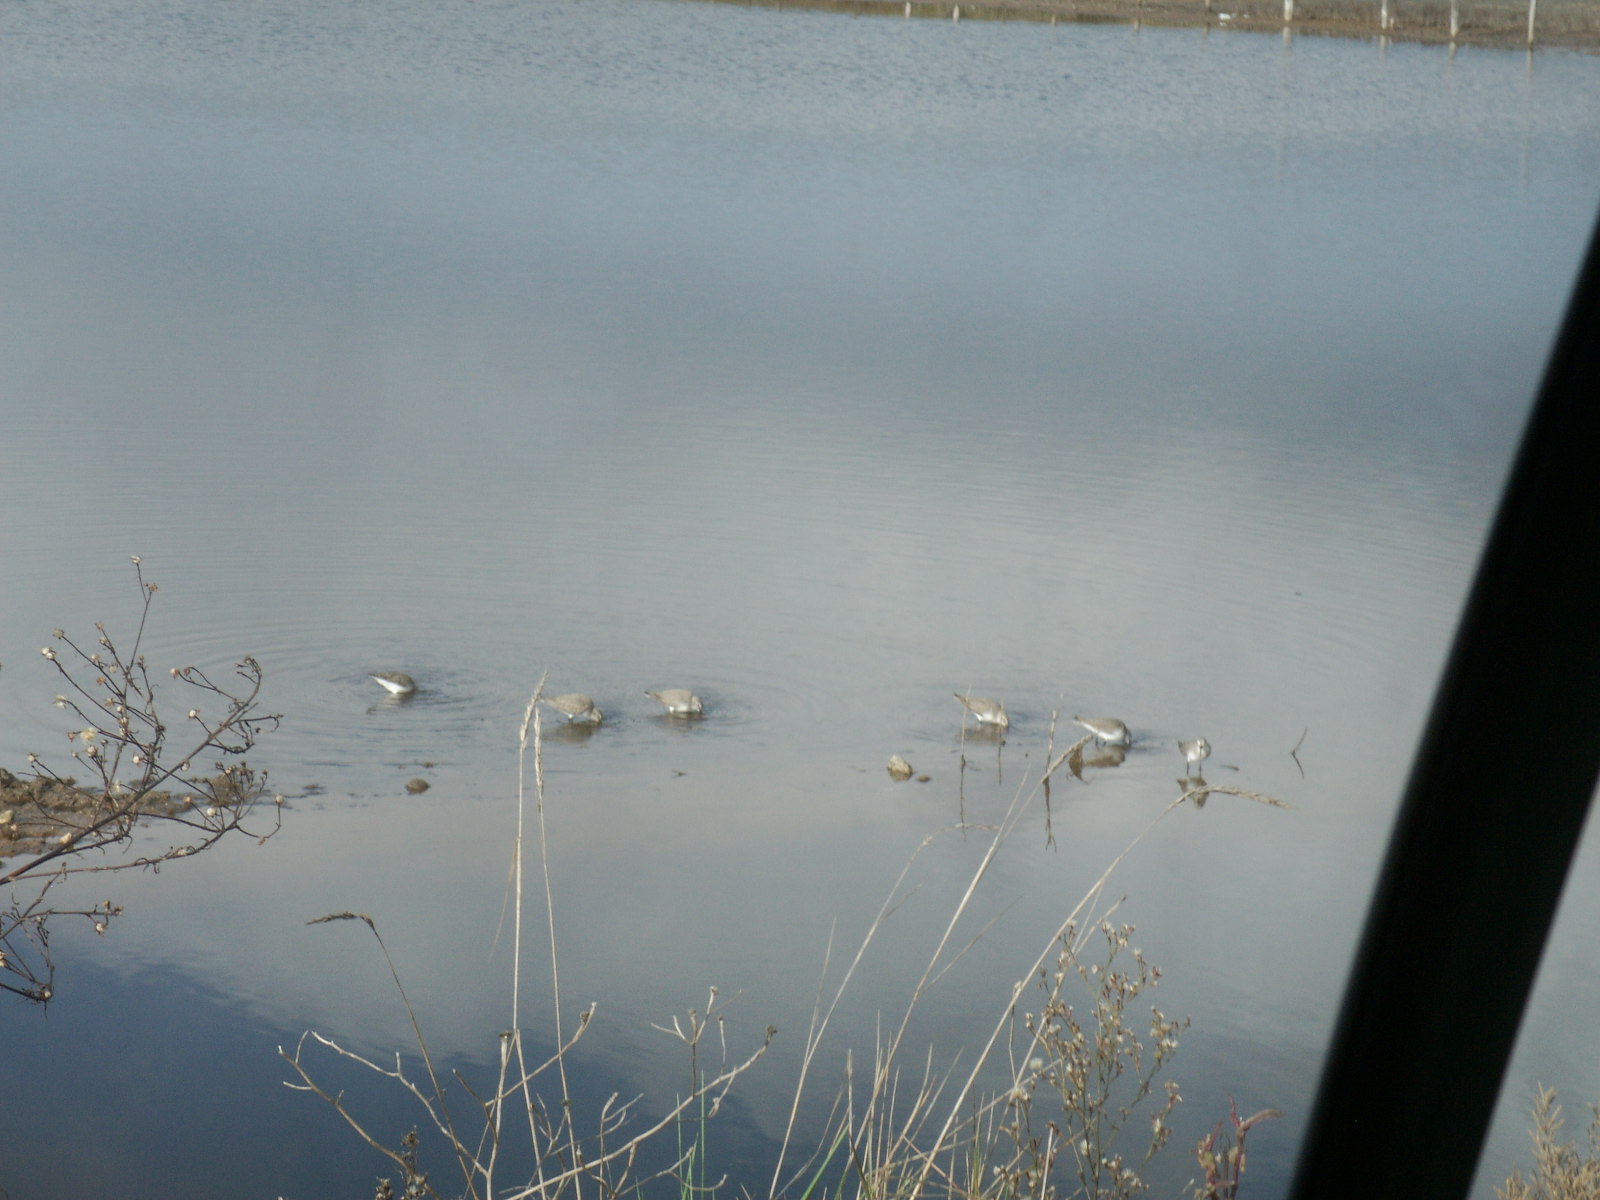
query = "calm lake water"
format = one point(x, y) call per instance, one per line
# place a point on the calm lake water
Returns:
point(827, 366)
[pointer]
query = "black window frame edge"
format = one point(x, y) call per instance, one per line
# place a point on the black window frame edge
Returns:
point(1488, 825)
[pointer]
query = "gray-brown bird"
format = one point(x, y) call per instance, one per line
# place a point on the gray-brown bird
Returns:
point(575, 706)
point(988, 712)
point(679, 702)
point(396, 683)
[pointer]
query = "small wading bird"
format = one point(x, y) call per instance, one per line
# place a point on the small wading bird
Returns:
point(679, 702)
point(988, 712)
point(1194, 751)
point(1107, 730)
point(575, 706)
point(396, 683)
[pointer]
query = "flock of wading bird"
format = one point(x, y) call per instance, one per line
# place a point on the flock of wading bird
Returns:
point(1107, 731)
point(681, 702)
point(574, 706)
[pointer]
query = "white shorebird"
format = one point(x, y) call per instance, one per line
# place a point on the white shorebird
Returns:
point(988, 712)
point(1107, 730)
point(396, 683)
point(1194, 751)
point(679, 702)
point(575, 706)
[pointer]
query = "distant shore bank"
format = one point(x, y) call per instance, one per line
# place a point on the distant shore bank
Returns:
point(1503, 24)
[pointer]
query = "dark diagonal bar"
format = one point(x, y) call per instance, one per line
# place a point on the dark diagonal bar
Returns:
point(1488, 825)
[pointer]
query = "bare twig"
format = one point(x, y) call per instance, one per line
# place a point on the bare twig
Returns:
point(120, 736)
point(1295, 753)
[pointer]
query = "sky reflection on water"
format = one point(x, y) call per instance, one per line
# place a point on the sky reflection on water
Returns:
point(1160, 374)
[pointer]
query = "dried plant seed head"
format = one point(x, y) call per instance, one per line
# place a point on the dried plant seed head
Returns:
point(48, 653)
point(134, 559)
point(173, 672)
point(194, 714)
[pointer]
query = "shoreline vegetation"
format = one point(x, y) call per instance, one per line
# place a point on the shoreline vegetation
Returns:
point(1052, 1104)
point(139, 758)
point(1052, 1107)
point(1498, 24)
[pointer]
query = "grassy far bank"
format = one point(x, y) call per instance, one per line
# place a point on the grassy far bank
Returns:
point(1569, 24)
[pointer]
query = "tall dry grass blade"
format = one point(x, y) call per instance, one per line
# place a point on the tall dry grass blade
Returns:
point(934, 968)
point(820, 1020)
point(590, 1167)
point(937, 964)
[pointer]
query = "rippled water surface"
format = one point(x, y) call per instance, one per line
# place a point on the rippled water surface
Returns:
point(827, 366)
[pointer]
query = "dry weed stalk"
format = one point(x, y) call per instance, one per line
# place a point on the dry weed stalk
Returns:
point(1097, 1070)
point(1221, 1153)
point(121, 738)
point(1560, 1170)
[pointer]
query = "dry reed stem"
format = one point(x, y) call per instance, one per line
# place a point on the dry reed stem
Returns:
point(883, 1073)
point(585, 1167)
point(533, 718)
point(821, 1019)
point(1199, 794)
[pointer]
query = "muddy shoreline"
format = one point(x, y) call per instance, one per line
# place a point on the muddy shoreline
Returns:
point(36, 812)
point(1503, 24)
